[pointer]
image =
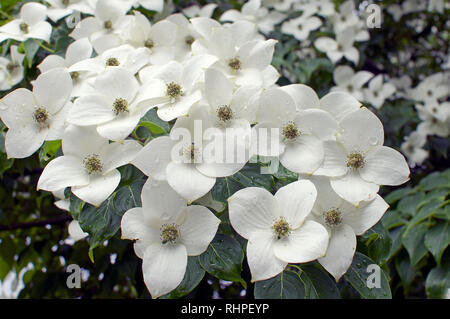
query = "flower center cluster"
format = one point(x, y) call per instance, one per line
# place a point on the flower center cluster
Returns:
point(355, 160)
point(189, 40)
point(120, 106)
point(108, 25)
point(332, 217)
point(93, 164)
point(65, 2)
point(112, 62)
point(290, 131)
point(74, 75)
point(281, 228)
point(41, 116)
point(23, 27)
point(174, 90)
point(191, 153)
point(235, 64)
point(11, 66)
point(169, 233)
point(224, 113)
point(149, 43)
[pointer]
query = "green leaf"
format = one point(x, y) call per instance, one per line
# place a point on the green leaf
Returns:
point(103, 222)
point(406, 272)
point(75, 206)
point(398, 194)
point(249, 176)
point(322, 285)
point(287, 285)
point(378, 243)
point(413, 240)
point(31, 47)
point(437, 284)
point(223, 259)
point(5, 163)
point(434, 180)
point(154, 124)
point(358, 276)
point(194, 274)
point(437, 239)
point(408, 205)
point(48, 151)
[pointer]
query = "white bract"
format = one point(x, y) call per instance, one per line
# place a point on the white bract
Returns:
point(11, 70)
point(88, 165)
point(276, 227)
point(167, 231)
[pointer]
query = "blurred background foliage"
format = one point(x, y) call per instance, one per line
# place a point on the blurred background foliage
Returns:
point(410, 243)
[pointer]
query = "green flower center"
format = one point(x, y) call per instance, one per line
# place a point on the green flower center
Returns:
point(74, 75)
point(290, 131)
point(41, 117)
point(108, 25)
point(149, 43)
point(281, 228)
point(189, 40)
point(112, 62)
point(120, 106)
point(169, 233)
point(174, 90)
point(355, 160)
point(332, 217)
point(93, 164)
point(235, 64)
point(224, 113)
point(191, 153)
point(23, 27)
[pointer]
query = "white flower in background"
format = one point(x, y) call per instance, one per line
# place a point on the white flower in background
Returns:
point(339, 48)
point(412, 148)
point(357, 161)
point(77, 51)
point(295, 136)
point(75, 231)
point(324, 8)
point(197, 11)
point(431, 88)
point(116, 108)
point(124, 56)
point(253, 12)
point(276, 227)
point(153, 5)
point(88, 165)
point(344, 222)
point(167, 231)
point(345, 17)
point(396, 11)
point(158, 38)
point(11, 70)
point(37, 116)
point(436, 5)
point(301, 26)
point(279, 5)
point(435, 117)
point(61, 8)
point(378, 92)
point(184, 38)
point(103, 29)
point(402, 85)
point(30, 24)
point(348, 81)
point(175, 84)
point(410, 6)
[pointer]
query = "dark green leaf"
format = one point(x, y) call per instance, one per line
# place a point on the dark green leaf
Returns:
point(438, 282)
point(413, 240)
point(358, 276)
point(322, 285)
point(287, 285)
point(437, 239)
point(378, 243)
point(31, 47)
point(223, 259)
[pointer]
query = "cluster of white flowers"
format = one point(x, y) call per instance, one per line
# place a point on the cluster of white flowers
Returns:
point(216, 83)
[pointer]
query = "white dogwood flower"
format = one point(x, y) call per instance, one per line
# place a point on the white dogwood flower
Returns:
point(344, 222)
point(116, 108)
point(88, 165)
point(339, 48)
point(301, 26)
point(61, 8)
point(37, 116)
point(378, 92)
point(357, 161)
point(277, 228)
point(412, 147)
point(296, 136)
point(30, 24)
point(167, 231)
point(11, 70)
point(347, 80)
